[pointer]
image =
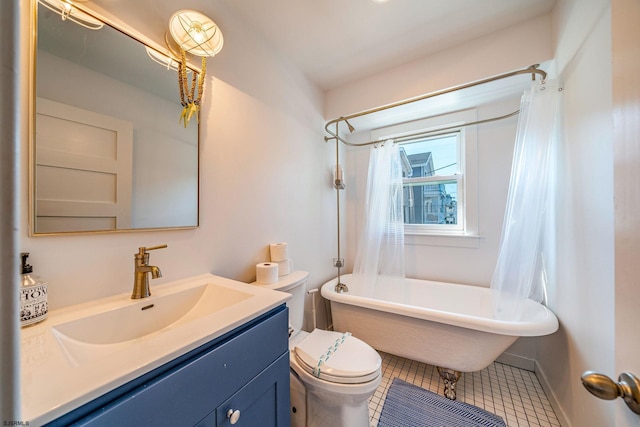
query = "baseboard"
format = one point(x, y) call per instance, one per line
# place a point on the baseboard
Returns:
point(533, 366)
point(517, 361)
point(553, 400)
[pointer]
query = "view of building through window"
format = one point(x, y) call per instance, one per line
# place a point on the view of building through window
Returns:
point(430, 169)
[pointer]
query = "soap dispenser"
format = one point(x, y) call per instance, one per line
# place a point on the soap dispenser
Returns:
point(33, 295)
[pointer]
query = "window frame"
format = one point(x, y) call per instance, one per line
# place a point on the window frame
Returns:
point(465, 233)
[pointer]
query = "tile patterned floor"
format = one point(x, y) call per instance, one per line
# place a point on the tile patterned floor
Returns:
point(514, 394)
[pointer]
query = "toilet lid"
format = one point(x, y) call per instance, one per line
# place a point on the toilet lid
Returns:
point(337, 357)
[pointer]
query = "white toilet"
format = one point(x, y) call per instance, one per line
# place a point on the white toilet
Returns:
point(333, 374)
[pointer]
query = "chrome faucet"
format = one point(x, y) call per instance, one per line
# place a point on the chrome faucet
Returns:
point(140, 276)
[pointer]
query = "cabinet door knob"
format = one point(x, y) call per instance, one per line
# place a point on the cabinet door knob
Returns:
point(233, 416)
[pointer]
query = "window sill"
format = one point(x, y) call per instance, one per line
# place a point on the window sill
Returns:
point(435, 239)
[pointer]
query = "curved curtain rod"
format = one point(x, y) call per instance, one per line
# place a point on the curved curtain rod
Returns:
point(433, 132)
point(533, 70)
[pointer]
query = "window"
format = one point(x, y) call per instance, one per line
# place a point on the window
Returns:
point(440, 179)
point(432, 182)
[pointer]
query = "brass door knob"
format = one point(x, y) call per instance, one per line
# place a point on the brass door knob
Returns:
point(627, 387)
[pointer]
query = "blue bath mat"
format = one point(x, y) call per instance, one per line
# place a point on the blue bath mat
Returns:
point(408, 405)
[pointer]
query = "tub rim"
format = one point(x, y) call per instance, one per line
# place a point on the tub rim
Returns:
point(545, 322)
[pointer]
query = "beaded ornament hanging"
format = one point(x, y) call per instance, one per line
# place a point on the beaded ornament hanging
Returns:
point(190, 103)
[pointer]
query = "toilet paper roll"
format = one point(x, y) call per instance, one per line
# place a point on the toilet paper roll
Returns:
point(284, 267)
point(279, 251)
point(266, 273)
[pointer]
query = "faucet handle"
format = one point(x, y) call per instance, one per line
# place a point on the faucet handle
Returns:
point(143, 250)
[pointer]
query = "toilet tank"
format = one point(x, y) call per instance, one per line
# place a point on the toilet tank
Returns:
point(294, 284)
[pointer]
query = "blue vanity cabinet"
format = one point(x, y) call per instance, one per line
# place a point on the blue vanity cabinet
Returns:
point(246, 370)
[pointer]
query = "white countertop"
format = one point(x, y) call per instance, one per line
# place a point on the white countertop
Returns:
point(55, 382)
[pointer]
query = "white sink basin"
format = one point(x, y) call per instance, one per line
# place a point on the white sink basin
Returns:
point(138, 318)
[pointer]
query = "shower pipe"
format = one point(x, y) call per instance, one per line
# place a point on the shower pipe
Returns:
point(533, 70)
point(339, 184)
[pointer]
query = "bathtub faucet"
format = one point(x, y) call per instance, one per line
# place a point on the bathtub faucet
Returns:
point(341, 287)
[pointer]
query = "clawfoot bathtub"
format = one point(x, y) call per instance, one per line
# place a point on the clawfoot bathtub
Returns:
point(447, 325)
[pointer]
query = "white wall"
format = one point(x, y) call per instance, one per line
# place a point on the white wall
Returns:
point(264, 178)
point(583, 291)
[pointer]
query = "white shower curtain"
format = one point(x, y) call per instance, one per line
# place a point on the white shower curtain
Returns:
point(380, 251)
point(519, 272)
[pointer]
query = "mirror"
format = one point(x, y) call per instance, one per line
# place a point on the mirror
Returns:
point(108, 152)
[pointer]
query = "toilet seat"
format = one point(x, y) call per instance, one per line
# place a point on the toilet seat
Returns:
point(337, 357)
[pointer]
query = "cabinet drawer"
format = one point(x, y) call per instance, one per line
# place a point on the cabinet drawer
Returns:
point(186, 394)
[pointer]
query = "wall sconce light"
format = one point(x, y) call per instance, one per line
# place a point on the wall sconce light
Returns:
point(198, 35)
point(67, 10)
